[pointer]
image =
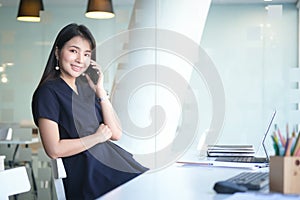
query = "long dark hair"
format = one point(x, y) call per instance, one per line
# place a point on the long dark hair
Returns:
point(66, 34)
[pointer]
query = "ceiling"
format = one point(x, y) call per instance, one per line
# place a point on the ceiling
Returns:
point(65, 2)
point(130, 2)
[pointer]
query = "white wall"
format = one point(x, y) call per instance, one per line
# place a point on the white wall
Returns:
point(256, 72)
point(255, 54)
point(27, 45)
point(153, 116)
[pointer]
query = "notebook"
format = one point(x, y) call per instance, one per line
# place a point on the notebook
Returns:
point(247, 158)
point(230, 150)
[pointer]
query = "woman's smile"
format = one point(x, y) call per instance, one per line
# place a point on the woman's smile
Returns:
point(76, 68)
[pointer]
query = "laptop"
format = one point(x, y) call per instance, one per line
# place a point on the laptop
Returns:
point(251, 159)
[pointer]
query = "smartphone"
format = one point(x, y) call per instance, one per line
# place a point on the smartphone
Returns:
point(93, 74)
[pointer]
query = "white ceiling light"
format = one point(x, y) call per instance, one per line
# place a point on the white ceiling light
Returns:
point(4, 78)
point(100, 9)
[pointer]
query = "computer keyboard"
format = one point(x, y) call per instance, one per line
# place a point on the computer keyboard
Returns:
point(251, 180)
point(242, 159)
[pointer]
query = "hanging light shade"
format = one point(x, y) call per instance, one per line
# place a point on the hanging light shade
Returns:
point(99, 9)
point(29, 10)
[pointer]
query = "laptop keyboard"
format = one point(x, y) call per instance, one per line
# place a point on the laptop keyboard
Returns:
point(251, 180)
point(243, 159)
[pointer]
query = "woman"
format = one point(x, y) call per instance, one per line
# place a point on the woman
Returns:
point(76, 120)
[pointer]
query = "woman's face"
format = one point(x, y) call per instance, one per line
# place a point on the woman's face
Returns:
point(75, 57)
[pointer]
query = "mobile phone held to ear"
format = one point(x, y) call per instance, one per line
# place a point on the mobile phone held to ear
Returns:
point(93, 74)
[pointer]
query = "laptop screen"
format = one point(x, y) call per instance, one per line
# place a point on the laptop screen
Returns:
point(265, 135)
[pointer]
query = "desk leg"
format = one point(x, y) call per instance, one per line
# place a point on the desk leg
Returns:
point(33, 180)
point(12, 162)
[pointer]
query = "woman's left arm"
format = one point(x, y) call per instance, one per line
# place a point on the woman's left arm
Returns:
point(110, 117)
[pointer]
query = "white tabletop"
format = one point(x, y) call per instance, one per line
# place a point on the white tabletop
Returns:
point(175, 182)
point(32, 141)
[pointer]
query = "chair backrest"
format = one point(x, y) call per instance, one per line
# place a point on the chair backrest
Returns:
point(13, 181)
point(58, 172)
point(5, 133)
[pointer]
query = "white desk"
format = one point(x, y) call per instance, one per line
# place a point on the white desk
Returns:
point(18, 142)
point(32, 141)
point(175, 182)
point(191, 182)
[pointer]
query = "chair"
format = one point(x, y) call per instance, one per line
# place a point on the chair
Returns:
point(22, 153)
point(17, 151)
point(58, 172)
point(5, 136)
point(5, 133)
point(13, 181)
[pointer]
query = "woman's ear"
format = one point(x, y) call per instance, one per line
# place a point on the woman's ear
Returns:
point(56, 53)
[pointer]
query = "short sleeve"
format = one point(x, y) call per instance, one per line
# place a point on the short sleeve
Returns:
point(45, 105)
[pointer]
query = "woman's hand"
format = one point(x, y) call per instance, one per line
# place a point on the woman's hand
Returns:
point(104, 133)
point(99, 86)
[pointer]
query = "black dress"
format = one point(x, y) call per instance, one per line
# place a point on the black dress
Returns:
point(98, 170)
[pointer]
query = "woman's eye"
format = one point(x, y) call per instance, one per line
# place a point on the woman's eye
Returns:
point(73, 51)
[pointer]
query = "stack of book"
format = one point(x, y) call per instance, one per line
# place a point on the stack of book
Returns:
point(230, 150)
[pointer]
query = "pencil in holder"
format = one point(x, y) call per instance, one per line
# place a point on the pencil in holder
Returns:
point(284, 174)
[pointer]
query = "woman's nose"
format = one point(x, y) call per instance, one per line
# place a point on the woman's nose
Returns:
point(79, 58)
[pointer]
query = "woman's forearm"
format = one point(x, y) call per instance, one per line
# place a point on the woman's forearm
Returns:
point(56, 147)
point(111, 119)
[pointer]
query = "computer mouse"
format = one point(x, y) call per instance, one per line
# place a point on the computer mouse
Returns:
point(226, 187)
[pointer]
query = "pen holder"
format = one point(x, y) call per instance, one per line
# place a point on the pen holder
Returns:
point(285, 174)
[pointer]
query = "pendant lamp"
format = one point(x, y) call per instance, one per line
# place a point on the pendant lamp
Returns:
point(99, 9)
point(29, 10)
